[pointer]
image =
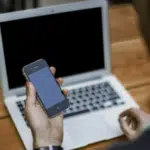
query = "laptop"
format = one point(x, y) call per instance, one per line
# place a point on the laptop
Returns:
point(73, 37)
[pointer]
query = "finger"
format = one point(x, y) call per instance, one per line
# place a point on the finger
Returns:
point(133, 125)
point(31, 94)
point(128, 120)
point(53, 70)
point(126, 113)
point(60, 81)
point(65, 91)
point(126, 128)
point(133, 112)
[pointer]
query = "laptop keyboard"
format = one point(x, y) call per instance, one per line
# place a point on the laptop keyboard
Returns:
point(90, 98)
point(21, 106)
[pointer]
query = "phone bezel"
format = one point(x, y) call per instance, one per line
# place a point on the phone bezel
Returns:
point(34, 67)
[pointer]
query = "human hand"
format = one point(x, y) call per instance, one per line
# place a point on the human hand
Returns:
point(46, 131)
point(133, 121)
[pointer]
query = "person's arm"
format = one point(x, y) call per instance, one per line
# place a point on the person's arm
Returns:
point(135, 124)
point(47, 132)
point(141, 143)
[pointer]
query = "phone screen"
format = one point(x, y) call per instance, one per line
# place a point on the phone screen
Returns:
point(47, 88)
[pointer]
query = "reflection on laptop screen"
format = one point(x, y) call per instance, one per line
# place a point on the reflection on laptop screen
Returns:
point(70, 41)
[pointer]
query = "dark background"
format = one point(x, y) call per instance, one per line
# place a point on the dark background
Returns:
point(120, 1)
point(13, 5)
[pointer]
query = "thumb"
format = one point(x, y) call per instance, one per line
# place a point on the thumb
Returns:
point(31, 94)
point(128, 131)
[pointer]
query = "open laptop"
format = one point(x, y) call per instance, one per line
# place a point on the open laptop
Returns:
point(74, 38)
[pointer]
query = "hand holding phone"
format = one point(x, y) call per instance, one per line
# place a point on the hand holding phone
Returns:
point(45, 130)
point(51, 97)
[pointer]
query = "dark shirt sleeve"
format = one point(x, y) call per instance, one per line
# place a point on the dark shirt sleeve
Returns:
point(141, 143)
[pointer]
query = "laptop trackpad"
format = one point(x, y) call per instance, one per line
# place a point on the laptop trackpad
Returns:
point(86, 129)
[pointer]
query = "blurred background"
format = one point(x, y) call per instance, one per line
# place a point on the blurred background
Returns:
point(13, 5)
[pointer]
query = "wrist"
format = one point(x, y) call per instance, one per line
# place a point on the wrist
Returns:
point(50, 148)
point(42, 142)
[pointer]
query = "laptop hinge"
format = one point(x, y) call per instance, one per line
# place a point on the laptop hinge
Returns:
point(82, 81)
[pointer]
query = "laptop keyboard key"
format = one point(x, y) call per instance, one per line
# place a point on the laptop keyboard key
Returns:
point(108, 104)
point(97, 97)
point(80, 96)
point(84, 106)
point(19, 104)
point(71, 103)
point(77, 107)
point(74, 98)
point(71, 109)
point(78, 102)
point(85, 100)
point(97, 102)
point(94, 108)
point(91, 104)
point(102, 107)
point(91, 98)
point(87, 95)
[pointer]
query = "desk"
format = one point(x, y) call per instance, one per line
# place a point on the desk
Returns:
point(130, 63)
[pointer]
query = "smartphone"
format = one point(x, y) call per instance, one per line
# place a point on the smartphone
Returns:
point(51, 97)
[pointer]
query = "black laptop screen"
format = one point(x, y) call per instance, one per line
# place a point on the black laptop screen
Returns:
point(72, 42)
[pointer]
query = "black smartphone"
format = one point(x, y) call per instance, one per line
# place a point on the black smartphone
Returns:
point(50, 94)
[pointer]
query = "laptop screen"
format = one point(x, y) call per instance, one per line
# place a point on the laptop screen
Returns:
point(70, 41)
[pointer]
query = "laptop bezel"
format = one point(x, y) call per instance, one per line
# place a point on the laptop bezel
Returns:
point(54, 10)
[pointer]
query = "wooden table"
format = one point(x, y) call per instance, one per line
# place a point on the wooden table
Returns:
point(130, 63)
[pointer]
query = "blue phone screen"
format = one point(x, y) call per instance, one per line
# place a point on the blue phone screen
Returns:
point(47, 88)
